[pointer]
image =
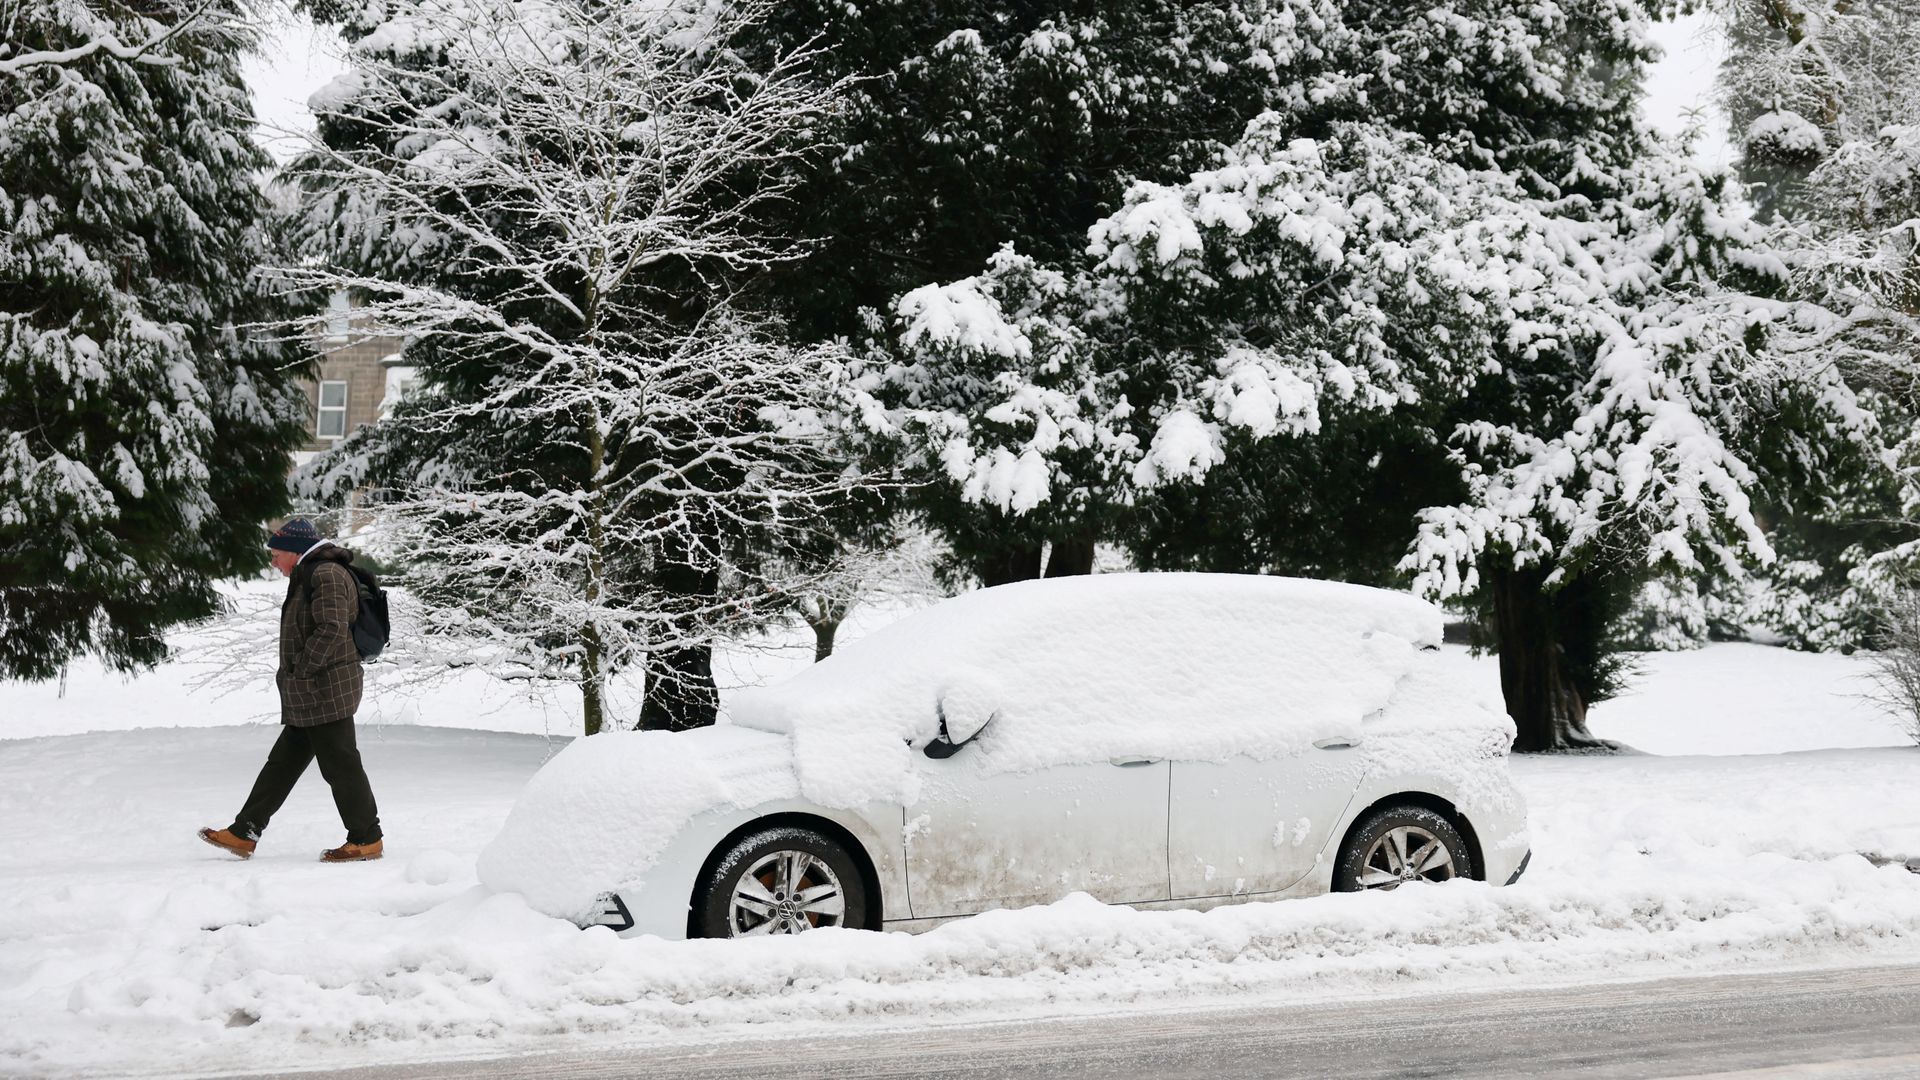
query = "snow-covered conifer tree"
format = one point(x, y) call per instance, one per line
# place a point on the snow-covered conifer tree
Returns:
point(559, 202)
point(1823, 97)
point(1497, 275)
point(144, 437)
point(974, 125)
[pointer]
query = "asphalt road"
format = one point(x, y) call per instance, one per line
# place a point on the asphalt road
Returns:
point(1828, 1024)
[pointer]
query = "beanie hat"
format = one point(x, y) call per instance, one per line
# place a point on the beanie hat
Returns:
point(296, 536)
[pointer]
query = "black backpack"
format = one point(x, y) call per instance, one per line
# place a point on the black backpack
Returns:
point(371, 629)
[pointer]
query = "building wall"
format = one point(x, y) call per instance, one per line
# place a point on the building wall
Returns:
point(372, 369)
point(362, 364)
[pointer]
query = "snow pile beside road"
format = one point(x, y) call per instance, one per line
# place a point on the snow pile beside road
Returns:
point(144, 950)
point(1188, 666)
point(482, 972)
point(136, 948)
point(603, 809)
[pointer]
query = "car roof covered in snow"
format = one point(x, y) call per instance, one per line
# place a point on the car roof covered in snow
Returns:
point(1184, 666)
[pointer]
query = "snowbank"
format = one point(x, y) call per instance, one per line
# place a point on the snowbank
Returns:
point(145, 951)
point(141, 950)
point(601, 812)
point(1187, 666)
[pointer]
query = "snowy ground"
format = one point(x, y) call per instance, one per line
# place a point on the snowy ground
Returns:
point(1735, 840)
point(224, 677)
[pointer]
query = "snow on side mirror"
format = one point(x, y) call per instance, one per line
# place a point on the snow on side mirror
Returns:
point(965, 711)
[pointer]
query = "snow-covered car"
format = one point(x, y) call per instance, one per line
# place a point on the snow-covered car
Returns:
point(1158, 740)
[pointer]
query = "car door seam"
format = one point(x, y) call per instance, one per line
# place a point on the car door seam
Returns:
point(1167, 850)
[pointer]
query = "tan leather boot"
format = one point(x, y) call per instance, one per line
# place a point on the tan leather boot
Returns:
point(351, 852)
point(225, 840)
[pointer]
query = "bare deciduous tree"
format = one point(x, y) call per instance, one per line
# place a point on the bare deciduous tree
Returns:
point(558, 204)
point(1896, 666)
point(901, 567)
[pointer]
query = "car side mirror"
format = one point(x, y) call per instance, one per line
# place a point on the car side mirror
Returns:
point(964, 713)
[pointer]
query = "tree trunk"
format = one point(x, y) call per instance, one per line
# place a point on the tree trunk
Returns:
point(1015, 562)
point(1542, 696)
point(592, 657)
point(680, 690)
point(1071, 557)
point(592, 700)
point(823, 633)
point(593, 663)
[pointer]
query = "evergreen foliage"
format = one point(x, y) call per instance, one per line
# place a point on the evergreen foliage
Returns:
point(974, 125)
point(144, 435)
point(1458, 247)
point(1823, 96)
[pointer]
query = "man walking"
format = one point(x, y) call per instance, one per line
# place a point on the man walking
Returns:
point(319, 680)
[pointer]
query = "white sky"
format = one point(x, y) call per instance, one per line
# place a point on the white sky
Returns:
point(1680, 87)
point(299, 58)
point(295, 59)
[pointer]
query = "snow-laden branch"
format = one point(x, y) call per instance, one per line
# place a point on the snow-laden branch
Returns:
point(101, 37)
point(1637, 352)
point(558, 203)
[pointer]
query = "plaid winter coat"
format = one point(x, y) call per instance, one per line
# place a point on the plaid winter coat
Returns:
point(319, 675)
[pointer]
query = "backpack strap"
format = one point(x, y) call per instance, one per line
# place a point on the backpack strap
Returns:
point(364, 579)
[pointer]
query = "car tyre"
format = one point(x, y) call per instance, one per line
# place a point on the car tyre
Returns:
point(786, 879)
point(1399, 845)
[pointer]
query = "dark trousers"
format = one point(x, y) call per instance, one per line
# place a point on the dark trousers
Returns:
point(333, 745)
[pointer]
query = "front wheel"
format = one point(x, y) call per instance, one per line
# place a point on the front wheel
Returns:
point(1397, 845)
point(782, 880)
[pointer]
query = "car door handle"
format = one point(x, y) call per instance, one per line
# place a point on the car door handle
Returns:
point(1337, 743)
point(1132, 762)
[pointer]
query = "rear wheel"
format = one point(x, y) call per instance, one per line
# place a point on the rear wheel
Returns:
point(782, 880)
point(1397, 845)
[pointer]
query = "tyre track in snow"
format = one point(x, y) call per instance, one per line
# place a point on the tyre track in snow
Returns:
point(1831, 1024)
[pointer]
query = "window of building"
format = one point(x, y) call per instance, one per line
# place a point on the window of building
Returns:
point(333, 410)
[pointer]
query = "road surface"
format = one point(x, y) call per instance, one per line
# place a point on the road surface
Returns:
point(1828, 1024)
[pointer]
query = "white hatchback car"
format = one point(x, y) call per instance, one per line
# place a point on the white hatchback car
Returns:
point(1158, 740)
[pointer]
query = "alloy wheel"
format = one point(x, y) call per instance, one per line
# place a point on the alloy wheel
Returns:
point(786, 892)
point(1406, 853)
